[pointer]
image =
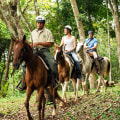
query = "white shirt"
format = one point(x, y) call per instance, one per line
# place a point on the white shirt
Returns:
point(68, 43)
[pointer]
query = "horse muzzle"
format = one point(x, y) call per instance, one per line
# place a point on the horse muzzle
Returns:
point(16, 66)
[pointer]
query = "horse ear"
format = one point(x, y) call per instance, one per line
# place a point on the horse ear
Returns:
point(24, 38)
point(13, 39)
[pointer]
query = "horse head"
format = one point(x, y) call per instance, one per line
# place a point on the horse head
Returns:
point(18, 50)
point(79, 47)
point(57, 52)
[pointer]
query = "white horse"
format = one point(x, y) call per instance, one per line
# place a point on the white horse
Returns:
point(87, 67)
point(65, 72)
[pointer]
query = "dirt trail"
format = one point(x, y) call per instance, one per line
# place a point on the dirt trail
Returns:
point(92, 107)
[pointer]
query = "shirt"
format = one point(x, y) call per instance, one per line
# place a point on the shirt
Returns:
point(69, 43)
point(44, 36)
point(91, 43)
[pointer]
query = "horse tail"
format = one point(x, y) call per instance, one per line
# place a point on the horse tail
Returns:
point(108, 67)
point(54, 93)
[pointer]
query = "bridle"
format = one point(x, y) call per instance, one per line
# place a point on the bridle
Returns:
point(24, 50)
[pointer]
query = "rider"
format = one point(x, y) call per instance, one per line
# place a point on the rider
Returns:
point(41, 40)
point(69, 42)
point(91, 45)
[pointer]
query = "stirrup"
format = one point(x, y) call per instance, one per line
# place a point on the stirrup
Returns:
point(20, 88)
point(56, 86)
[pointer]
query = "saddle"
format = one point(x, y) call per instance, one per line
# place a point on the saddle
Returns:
point(41, 56)
point(70, 59)
point(71, 62)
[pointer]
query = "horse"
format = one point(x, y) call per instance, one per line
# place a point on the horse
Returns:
point(65, 72)
point(36, 76)
point(88, 68)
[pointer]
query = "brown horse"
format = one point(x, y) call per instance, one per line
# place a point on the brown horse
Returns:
point(65, 72)
point(87, 67)
point(36, 76)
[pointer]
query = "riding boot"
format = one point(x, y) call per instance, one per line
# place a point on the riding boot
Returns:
point(97, 65)
point(79, 75)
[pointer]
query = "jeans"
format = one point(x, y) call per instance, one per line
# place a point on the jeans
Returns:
point(77, 64)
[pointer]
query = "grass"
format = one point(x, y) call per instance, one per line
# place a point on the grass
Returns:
point(103, 106)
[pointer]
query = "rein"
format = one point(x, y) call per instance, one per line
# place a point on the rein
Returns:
point(31, 60)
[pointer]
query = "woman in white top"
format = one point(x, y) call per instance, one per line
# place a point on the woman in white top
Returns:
point(69, 43)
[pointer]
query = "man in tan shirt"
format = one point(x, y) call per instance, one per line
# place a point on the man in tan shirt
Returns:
point(41, 40)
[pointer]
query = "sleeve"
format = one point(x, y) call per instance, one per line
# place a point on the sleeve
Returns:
point(50, 37)
point(95, 42)
point(31, 40)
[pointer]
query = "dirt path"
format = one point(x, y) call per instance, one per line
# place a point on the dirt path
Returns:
point(92, 107)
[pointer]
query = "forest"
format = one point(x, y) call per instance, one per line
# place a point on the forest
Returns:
point(17, 18)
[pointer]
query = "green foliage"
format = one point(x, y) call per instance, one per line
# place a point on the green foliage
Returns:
point(93, 15)
point(102, 37)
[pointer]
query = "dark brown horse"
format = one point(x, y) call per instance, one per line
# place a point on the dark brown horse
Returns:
point(65, 72)
point(36, 76)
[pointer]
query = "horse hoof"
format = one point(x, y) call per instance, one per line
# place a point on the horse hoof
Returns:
point(54, 112)
point(61, 104)
point(75, 99)
point(83, 94)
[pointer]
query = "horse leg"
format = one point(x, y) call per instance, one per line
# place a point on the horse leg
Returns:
point(40, 99)
point(56, 94)
point(77, 87)
point(64, 85)
point(53, 92)
point(84, 84)
point(43, 106)
point(99, 81)
point(64, 91)
point(54, 107)
point(74, 85)
point(102, 80)
point(28, 95)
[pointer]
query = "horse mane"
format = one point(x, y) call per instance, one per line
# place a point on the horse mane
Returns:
point(26, 44)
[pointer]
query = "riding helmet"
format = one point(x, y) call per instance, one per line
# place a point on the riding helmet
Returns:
point(90, 32)
point(68, 27)
point(40, 19)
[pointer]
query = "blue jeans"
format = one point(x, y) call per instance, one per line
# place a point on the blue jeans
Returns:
point(77, 64)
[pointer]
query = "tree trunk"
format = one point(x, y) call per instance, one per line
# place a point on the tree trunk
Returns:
point(108, 27)
point(78, 20)
point(117, 28)
point(36, 7)
point(8, 14)
point(92, 80)
point(2, 72)
point(114, 10)
point(7, 70)
point(59, 19)
point(22, 16)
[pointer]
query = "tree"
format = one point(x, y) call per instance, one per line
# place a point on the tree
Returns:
point(8, 14)
point(108, 27)
point(7, 70)
point(114, 9)
point(78, 20)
